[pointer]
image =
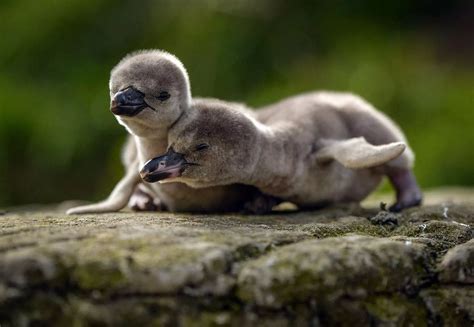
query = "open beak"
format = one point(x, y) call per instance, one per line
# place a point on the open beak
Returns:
point(169, 165)
point(128, 102)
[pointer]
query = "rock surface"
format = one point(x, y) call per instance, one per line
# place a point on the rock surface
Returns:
point(339, 266)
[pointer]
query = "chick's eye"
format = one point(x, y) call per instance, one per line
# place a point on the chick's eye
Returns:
point(202, 146)
point(163, 96)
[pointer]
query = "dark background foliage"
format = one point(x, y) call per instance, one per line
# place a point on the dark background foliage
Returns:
point(412, 59)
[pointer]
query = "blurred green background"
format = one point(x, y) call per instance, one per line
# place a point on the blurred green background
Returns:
point(413, 60)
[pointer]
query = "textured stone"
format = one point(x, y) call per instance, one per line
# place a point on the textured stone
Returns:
point(349, 266)
point(450, 305)
point(458, 264)
point(340, 266)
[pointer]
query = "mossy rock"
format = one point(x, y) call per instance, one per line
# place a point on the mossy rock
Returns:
point(457, 265)
point(450, 305)
point(349, 266)
point(346, 265)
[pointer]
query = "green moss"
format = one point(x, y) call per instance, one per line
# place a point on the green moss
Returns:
point(457, 266)
point(321, 269)
point(341, 229)
point(461, 213)
point(438, 235)
point(446, 234)
point(450, 305)
point(396, 310)
point(208, 319)
point(98, 276)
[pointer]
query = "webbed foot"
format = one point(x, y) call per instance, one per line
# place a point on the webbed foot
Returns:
point(141, 200)
point(260, 204)
point(407, 189)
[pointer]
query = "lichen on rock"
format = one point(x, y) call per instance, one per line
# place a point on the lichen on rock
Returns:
point(346, 265)
point(349, 266)
point(457, 265)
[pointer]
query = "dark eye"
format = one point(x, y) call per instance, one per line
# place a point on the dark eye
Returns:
point(163, 96)
point(202, 146)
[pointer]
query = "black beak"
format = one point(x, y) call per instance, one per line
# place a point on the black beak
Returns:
point(169, 165)
point(128, 102)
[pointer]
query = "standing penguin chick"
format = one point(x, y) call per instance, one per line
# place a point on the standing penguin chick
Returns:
point(150, 93)
point(330, 148)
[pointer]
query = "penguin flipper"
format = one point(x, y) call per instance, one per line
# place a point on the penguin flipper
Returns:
point(117, 199)
point(357, 153)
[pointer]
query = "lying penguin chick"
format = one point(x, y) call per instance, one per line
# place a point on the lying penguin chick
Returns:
point(311, 159)
point(211, 147)
point(360, 119)
point(150, 92)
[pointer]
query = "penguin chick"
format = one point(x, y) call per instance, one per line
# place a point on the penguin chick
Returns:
point(362, 119)
point(318, 153)
point(150, 92)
